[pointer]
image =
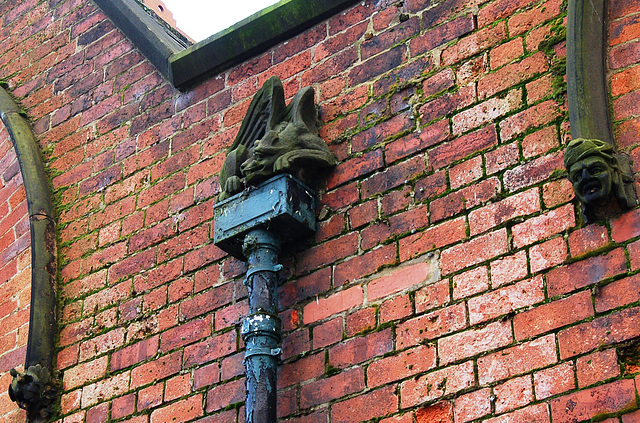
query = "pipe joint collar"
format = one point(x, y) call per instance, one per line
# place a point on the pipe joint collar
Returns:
point(261, 324)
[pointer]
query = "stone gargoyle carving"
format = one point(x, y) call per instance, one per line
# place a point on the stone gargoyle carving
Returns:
point(33, 390)
point(275, 138)
point(597, 172)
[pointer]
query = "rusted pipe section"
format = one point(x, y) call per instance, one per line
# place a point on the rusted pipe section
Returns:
point(34, 390)
point(261, 329)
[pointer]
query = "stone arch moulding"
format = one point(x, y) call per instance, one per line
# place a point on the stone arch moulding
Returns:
point(586, 82)
point(34, 389)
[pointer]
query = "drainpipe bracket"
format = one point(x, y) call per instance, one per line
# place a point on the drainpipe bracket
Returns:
point(253, 270)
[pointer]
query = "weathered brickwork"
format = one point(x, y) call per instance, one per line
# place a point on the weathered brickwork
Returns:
point(451, 279)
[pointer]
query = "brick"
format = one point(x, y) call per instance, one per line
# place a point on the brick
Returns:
point(400, 366)
point(123, 406)
point(382, 131)
point(466, 172)
point(179, 336)
point(447, 104)
point(431, 326)
point(441, 412)
point(206, 301)
point(513, 393)
point(517, 360)
point(508, 269)
point(625, 81)
point(547, 254)
point(486, 112)
point(83, 373)
point(624, 55)
point(554, 380)
point(586, 272)
point(528, 19)
point(588, 403)
point(336, 303)
point(553, 315)
point(474, 43)
point(325, 390)
point(105, 389)
point(376, 403)
point(440, 81)
point(626, 226)
point(441, 35)
point(495, 214)
point(433, 237)
point(360, 321)
point(393, 176)
point(328, 252)
point(377, 65)
point(500, 9)
point(395, 309)
point(530, 118)
point(428, 136)
point(402, 278)
point(469, 343)
point(359, 349)
point(223, 395)
point(540, 142)
point(543, 226)
point(327, 333)
point(538, 413)
point(605, 330)
point(155, 370)
point(616, 294)
point(501, 158)
point(308, 367)
point(597, 367)
point(432, 296)
point(505, 300)
point(179, 411)
point(305, 287)
point(462, 147)
point(511, 75)
point(208, 349)
point(473, 252)
point(396, 34)
point(471, 282)
point(507, 52)
point(466, 198)
point(472, 405)
point(449, 380)
point(587, 239)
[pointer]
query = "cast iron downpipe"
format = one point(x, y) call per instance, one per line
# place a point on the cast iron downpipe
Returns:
point(252, 226)
point(35, 390)
point(261, 329)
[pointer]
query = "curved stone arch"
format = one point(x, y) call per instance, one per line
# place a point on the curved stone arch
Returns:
point(40, 345)
point(586, 77)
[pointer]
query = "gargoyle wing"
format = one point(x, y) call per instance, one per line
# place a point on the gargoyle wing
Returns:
point(267, 109)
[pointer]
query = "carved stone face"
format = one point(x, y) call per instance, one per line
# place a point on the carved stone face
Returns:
point(592, 180)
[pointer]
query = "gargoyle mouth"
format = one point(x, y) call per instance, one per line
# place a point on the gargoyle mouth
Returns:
point(591, 187)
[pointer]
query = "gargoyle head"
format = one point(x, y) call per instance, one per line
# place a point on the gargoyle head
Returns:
point(275, 138)
point(597, 172)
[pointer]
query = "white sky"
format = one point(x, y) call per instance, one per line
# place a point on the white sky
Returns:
point(202, 18)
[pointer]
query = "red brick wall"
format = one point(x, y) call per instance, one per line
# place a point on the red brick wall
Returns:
point(15, 273)
point(450, 280)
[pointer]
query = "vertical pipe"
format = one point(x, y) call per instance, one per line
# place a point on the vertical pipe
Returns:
point(261, 329)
